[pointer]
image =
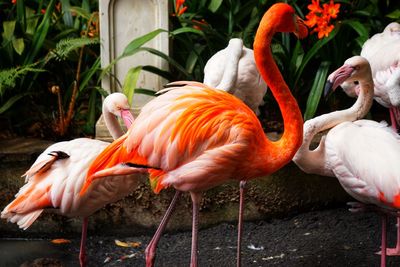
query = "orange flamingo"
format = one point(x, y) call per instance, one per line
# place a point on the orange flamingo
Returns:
point(195, 137)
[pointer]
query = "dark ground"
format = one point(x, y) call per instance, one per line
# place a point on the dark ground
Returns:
point(333, 237)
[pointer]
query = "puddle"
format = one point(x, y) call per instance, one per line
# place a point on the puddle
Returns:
point(14, 252)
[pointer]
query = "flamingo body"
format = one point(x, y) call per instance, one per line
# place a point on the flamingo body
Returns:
point(366, 164)
point(57, 176)
point(198, 136)
point(234, 70)
point(195, 137)
point(362, 154)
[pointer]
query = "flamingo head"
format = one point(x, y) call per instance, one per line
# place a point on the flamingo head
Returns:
point(117, 104)
point(284, 19)
point(392, 28)
point(352, 70)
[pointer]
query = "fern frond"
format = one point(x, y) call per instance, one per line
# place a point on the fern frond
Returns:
point(8, 77)
point(68, 45)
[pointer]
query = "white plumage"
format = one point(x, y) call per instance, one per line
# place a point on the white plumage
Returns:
point(56, 178)
point(364, 155)
point(382, 52)
point(234, 70)
point(54, 182)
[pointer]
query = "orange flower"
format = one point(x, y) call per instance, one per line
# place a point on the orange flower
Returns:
point(311, 19)
point(315, 7)
point(331, 9)
point(179, 8)
point(324, 30)
point(13, 2)
point(320, 17)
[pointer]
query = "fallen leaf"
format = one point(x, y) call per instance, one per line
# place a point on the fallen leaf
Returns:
point(60, 241)
point(127, 244)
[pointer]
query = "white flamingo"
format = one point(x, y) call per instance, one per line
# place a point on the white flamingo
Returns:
point(382, 52)
point(362, 154)
point(56, 178)
point(233, 69)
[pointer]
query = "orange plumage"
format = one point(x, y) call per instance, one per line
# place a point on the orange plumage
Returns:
point(195, 137)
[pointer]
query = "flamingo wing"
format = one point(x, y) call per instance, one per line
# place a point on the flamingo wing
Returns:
point(183, 132)
point(53, 183)
point(364, 157)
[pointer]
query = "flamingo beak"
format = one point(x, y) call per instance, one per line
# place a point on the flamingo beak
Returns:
point(127, 117)
point(338, 77)
point(301, 28)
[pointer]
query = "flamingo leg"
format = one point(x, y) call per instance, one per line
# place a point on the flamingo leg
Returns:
point(150, 251)
point(395, 251)
point(240, 223)
point(196, 199)
point(82, 251)
point(383, 246)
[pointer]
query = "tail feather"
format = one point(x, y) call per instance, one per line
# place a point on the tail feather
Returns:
point(44, 165)
point(30, 200)
point(23, 220)
point(39, 167)
point(114, 154)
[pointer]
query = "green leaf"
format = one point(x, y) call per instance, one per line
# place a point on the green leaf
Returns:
point(21, 15)
point(80, 12)
point(40, 34)
point(67, 16)
point(18, 45)
point(186, 30)
point(9, 27)
point(89, 74)
point(214, 5)
point(316, 90)
point(144, 91)
point(138, 42)
point(130, 82)
point(312, 52)
point(132, 48)
point(193, 58)
point(167, 58)
point(31, 21)
point(394, 14)
point(162, 73)
point(11, 101)
point(358, 27)
point(102, 91)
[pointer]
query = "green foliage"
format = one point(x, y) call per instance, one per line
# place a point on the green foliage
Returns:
point(47, 43)
point(219, 21)
point(66, 46)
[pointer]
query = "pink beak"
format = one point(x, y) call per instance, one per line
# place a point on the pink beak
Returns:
point(127, 117)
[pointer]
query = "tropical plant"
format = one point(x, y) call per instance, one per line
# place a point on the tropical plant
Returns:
point(340, 34)
point(55, 44)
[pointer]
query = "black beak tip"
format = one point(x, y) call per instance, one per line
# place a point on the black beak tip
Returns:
point(328, 88)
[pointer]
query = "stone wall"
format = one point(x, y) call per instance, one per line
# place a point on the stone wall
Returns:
point(289, 191)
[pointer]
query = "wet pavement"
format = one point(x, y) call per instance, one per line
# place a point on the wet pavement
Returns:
point(333, 237)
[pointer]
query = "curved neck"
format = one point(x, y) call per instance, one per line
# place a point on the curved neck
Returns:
point(313, 161)
point(112, 123)
point(292, 118)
